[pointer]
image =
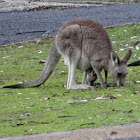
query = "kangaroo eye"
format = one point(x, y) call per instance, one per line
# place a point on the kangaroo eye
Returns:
point(119, 74)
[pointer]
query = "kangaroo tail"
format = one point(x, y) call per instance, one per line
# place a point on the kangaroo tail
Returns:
point(50, 64)
point(136, 63)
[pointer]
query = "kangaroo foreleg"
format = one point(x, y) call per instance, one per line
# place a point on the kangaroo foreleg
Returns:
point(84, 81)
point(97, 71)
point(106, 76)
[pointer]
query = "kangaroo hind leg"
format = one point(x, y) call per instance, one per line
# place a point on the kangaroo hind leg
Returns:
point(72, 66)
point(72, 63)
point(71, 83)
point(71, 74)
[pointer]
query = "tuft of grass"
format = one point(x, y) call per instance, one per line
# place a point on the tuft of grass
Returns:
point(51, 107)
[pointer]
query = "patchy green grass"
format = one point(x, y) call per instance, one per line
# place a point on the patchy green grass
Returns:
point(51, 107)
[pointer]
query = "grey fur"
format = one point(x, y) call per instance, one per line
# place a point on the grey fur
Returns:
point(85, 45)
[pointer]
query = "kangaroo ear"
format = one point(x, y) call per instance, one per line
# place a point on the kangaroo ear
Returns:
point(115, 59)
point(136, 63)
point(127, 56)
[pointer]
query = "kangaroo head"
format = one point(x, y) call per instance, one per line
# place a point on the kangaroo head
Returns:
point(91, 76)
point(119, 67)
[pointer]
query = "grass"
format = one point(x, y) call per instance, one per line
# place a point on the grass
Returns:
point(51, 107)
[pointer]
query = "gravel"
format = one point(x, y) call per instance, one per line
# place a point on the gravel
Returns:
point(24, 26)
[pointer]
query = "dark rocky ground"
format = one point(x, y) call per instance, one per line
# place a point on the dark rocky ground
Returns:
point(23, 26)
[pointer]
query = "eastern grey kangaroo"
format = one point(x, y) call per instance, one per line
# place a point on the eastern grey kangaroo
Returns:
point(85, 45)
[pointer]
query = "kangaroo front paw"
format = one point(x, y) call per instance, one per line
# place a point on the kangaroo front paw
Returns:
point(105, 86)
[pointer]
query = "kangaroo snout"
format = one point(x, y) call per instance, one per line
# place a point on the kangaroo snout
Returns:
point(121, 81)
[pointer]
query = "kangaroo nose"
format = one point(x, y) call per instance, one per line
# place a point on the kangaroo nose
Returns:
point(121, 84)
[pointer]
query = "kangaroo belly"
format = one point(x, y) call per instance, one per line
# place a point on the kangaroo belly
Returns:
point(84, 63)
